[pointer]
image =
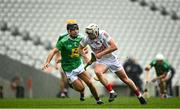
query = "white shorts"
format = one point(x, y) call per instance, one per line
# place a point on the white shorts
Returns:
point(73, 75)
point(112, 63)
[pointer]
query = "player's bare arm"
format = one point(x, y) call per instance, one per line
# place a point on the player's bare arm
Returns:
point(57, 59)
point(49, 58)
point(112, 47)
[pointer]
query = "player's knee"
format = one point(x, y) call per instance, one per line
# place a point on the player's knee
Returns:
point(80, 88)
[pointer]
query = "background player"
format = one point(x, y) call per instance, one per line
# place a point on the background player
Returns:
point(63, 80)
point(162, 68)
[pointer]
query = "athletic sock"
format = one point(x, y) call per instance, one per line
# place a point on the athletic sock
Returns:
point(109, 87)
point(98, 99)
point(138, 93)
point(82, 95)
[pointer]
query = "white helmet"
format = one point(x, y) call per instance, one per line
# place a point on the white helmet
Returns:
point(159, 56)
point(92, 29)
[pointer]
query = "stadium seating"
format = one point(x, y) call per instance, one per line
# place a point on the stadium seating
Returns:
point(138, 31)
point(169, 4)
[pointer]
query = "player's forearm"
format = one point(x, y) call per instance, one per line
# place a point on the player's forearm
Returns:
point(50, 56)
point(108, 51)
point(57, 57)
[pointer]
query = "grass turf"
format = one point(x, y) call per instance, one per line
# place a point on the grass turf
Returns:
point(120, 102)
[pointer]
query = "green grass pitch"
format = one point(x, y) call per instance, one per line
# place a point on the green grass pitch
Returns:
point(120, 102)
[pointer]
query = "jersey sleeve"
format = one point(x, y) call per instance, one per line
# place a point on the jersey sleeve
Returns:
point(59, 45)
point(166, 66)
point(106, 36)
point(59, 42)
point(60, 37)
point(153, 62)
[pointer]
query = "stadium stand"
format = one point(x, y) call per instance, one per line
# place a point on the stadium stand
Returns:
point(42, 83)
point(139, 31)
point(169, 4)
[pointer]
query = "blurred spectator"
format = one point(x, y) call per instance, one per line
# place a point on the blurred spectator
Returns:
point(1, 92)
point(169, 81)
point(16, 85)
point(134, 70)
point(29, 85)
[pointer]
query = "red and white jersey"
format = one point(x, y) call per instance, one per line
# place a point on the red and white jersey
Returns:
point(99, 44)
